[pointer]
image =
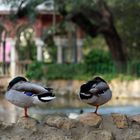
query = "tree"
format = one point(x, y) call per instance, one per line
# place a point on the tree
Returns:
point(127, 14)
point(94, 17)
point(26, 45)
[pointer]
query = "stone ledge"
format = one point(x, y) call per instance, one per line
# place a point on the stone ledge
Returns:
point(87, 126)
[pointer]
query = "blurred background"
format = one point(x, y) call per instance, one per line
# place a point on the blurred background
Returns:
point(62, 44)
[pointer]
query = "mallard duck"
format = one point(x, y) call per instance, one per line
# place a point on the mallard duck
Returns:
point(95, 92)
point(23, 93)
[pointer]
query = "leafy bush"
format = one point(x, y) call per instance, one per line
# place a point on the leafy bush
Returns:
point(45, 71)
point(133, 68)
point(98, 61)
point(35, 71)
point(39, 70)
point(64, 71)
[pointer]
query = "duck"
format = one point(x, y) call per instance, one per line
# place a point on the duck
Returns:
point(95, 92)
point(25, 94)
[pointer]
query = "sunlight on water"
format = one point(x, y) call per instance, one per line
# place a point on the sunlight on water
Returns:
point(68, 106)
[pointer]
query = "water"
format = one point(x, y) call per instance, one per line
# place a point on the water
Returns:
point(70, 106)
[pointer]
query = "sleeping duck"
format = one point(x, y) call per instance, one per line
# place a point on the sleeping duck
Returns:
point(95, 92)
point(24, 94)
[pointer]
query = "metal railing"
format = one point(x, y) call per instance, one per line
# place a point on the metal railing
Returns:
point(21, 68)
point(4, 69)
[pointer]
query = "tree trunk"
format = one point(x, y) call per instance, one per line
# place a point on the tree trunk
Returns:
point(112, 37)
point(100, 22)
point(115, 46)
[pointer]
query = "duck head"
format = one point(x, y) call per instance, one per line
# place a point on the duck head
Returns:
point(85, 88)
point(16, 80)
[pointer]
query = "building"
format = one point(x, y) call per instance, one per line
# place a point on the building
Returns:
point(46, 18)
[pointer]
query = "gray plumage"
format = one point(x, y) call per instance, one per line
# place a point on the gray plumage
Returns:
point(25, 94)
point(95, 92)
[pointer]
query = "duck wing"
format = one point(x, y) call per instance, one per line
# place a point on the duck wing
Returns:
point(100, 88)
point(31, 87)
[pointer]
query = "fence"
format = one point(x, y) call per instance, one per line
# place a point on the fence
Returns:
point(133, 68)
point(21, 68)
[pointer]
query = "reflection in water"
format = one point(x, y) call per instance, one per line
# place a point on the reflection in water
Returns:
point(70, 106)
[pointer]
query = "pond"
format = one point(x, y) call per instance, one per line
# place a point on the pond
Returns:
point(68, 105)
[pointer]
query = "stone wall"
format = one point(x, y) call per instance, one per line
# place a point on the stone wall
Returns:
point(86, 127)
point(3, 83)
point(125, 89)
point(122, 89)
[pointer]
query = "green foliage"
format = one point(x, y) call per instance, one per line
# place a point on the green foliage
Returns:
point(90, 43)
point(29, 52)
point(98, 61)
point(64, 71)
point(45, 71)
point(26, 45)
point(35, 71)
point(120, 77)
point(40, 70)
point(125, 12)
point(127, 15)
point(133, 68)
point(50, 47)
point(73, 5)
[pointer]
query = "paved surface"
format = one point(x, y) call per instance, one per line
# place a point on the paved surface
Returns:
point(4, 82)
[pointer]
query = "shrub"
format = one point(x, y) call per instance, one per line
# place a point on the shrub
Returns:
point(35, 71)
point(39, 70)
point(133, 68)
point(98, 61)
point(63, 71)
